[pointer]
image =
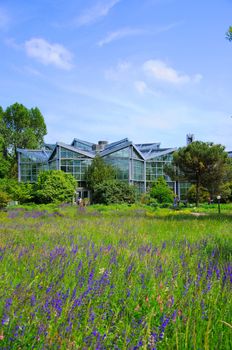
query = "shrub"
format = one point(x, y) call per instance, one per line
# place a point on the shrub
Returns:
point(161, 191)
point(17, 191)
point(4, 199)
point(55, 186)
point(226, 192)
point(114, 191)
point(153, 203)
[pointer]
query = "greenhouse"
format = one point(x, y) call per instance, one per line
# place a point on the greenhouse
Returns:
point(137, 164)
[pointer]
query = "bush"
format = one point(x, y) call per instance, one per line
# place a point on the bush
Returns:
point(226, 192)
point(161, 191)
point(55, 186)
point(153, 203)
point(113, 191)
point(4, 199)
point(17, 191)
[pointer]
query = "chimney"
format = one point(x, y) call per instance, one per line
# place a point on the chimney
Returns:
point(100, 146)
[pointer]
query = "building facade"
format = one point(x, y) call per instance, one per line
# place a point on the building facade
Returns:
point(137, 164)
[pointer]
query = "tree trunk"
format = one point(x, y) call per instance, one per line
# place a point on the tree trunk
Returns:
point(197, 190)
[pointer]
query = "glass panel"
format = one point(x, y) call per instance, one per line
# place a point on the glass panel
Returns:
point(67, 154)
point(138, 170)
point(119, 160)
point(135, 154)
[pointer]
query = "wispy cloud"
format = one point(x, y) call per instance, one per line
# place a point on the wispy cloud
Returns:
point(49, 54)
point(143, 89)
point(140, 86)
point(10, 42)
point(119, 34)
point(118, 73)
point(161, 71)
point(127, 32)
point(96, 12)
point(4, 18)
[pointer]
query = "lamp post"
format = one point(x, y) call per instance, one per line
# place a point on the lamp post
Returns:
point(219, 207)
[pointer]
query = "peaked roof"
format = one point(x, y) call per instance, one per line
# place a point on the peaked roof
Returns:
point(73, 149)
point(87, 143)
point(160, 152)
point(36, 154)
point(115, 146)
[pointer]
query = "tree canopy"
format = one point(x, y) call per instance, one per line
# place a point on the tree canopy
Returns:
point(203, 164)
point(229, 34)
point(98, 172)
point(19, 128)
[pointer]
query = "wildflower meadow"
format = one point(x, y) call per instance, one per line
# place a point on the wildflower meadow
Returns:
point(115, 278)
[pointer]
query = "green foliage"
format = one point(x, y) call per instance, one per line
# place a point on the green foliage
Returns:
point(203, 164)
point(114, 191)
point(203, 194)
point(145, 198)
point(229, 34)
point(98, 172)
point(19, 128)
point(161, 191)
point(17, 191)
point(55, 186)
point(4, 199)
point(5, 166)
point(226, 192)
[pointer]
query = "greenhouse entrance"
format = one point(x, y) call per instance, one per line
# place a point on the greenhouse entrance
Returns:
point(83, 193)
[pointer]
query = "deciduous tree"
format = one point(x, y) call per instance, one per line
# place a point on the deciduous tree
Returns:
point(98, 172)
point(20, 127)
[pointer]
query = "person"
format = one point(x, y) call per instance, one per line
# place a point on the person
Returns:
point(79, 201)
point(176, 202)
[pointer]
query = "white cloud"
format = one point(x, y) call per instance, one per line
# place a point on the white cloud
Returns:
point(4, 19)
point(140, 86)
point(161, 71)
point(143, 89)
point(96, 12)
point(46, 53)
point(119, 34)
point(118, 73)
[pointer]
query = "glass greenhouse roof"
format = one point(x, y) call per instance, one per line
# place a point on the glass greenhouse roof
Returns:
point(36, 155)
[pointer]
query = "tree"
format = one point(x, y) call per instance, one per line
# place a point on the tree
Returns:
point(4, 163)
point(229, 34)
point(203, 194)
point(55, 186)
point(98, 172)
point(161, 192)
point(203, 164)
point(20, 127)
point(114, 191)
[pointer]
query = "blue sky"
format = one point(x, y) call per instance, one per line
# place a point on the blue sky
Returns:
point(149, 70)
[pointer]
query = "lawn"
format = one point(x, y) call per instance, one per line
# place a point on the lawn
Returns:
point(119, 277)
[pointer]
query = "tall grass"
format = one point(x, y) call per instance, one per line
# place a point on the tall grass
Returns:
point(114, 278)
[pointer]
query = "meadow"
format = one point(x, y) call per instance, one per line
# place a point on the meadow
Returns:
point(121, 277)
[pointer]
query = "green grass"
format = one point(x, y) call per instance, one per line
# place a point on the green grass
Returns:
point(117, 277)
